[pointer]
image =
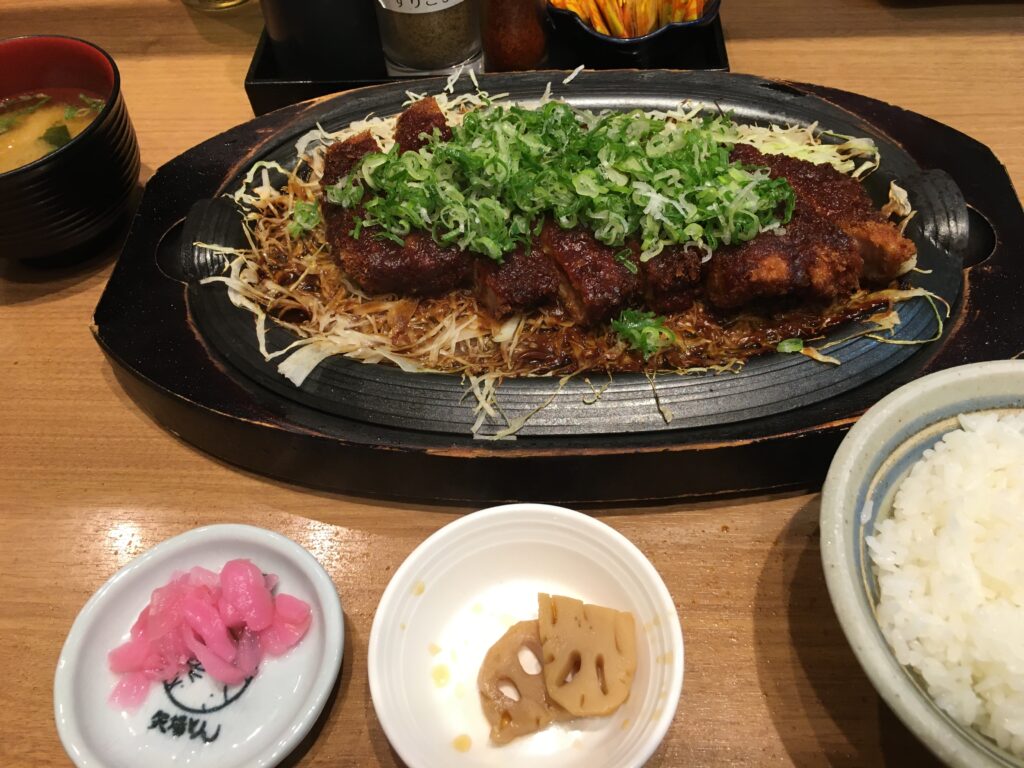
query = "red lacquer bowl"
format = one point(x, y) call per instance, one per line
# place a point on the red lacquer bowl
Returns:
point(73, 195)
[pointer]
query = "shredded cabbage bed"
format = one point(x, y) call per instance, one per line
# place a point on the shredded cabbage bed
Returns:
point(661, 178)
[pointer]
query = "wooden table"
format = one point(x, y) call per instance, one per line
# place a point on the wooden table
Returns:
point(88, 481)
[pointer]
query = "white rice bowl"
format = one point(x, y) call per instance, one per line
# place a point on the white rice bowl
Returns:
point(950, 570)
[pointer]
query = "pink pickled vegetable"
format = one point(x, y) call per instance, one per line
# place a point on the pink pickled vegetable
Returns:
point(250, 652)
point(290, 624)
point(202, 577)
point(231, 616)
point(244, 587)
point(292, 610)
point(205, 621)
point(132, 656)
point(226, 622)
point(131, 690)
point(215, 666)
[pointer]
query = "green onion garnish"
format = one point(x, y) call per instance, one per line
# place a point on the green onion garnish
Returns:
point(623, 176)
point(643, 331)
point(623, 257)
point(10, 119)
point(91, 102)
point(790, 345)
point(305, 217)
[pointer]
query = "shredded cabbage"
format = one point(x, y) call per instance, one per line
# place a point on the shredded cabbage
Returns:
point(804, 142)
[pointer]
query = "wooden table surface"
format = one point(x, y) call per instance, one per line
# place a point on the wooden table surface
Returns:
point(88, 481)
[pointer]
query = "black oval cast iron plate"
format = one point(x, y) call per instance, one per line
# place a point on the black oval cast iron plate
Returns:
point(164, 355)
point(772, 384)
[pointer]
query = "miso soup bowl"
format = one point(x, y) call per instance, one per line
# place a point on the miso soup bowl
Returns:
point(70, 197)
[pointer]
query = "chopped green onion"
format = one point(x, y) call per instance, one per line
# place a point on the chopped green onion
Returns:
point(91, 102)
point(790, 345)
point(627, 177)
point(643, 331)
point(70, 113)
point(345, 195)
point(57, 135)
point(10, 119)
point(623, 257)
point(305, 217)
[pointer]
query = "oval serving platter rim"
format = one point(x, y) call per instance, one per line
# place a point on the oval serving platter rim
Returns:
point(782, 105)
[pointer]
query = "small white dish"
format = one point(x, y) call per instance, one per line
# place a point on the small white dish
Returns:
point(197, 722)
point(463, 587)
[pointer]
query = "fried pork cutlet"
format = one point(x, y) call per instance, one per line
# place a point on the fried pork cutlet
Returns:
point(835, 238)
point(595, 284)
point(671, 278)
point(841, 200)
point(338, 161)
point(813, 260)
point(418, 267)
point(420, 118)
point(521, 282)
point(342, 155)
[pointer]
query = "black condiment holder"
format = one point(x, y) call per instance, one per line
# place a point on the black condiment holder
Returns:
point(271, 83)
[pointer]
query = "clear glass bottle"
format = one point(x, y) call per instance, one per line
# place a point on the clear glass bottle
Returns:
point(429, 36)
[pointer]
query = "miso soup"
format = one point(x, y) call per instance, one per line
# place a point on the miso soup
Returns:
point(35, 124)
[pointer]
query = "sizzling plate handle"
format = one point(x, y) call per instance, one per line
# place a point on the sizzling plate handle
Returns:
point(194, 259)
point(942, 211)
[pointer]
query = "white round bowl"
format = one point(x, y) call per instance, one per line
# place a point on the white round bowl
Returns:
point(458, 592)
point(867, 469)
point(198, 722)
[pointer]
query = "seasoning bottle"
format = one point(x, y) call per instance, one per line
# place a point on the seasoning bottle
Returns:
point(514, 34)
point(422, 37)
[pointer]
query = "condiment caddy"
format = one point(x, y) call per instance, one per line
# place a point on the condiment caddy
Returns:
point(277, 78)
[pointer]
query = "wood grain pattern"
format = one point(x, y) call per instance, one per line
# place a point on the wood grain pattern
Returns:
point(87, 481)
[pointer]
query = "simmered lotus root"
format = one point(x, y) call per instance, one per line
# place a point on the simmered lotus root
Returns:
point(589, 654)
point(533, 710)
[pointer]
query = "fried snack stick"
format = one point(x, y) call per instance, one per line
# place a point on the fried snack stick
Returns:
point(589, 12)
point(645, 17)
point(631, 18)
point(613, 14)
point(680, 10)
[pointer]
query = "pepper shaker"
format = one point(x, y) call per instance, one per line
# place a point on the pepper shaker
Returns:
point(424, 37)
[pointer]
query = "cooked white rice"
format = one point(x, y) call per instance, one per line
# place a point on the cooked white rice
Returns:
point(950, 567)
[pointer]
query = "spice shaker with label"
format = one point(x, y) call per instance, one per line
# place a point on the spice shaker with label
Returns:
point(423, 37)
